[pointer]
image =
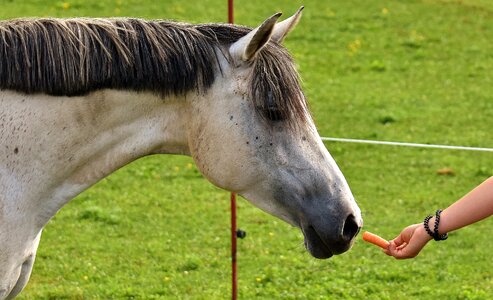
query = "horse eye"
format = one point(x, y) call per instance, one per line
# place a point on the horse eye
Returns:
point(273, 114)
point(272, 111)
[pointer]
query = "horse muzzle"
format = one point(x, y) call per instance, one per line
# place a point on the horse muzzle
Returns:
point(322, 241)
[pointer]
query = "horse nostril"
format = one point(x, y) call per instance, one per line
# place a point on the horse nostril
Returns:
point(351, 228)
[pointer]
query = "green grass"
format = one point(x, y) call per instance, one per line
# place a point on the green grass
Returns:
point(417, 71)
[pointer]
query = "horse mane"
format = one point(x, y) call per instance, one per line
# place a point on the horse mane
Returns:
point(72, 57)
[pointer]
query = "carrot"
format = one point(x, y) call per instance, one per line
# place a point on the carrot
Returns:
point(375, 240)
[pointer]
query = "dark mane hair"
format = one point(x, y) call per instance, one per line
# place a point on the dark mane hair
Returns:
point(73, 57)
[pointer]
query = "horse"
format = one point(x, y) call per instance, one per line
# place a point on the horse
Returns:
point(82, 97)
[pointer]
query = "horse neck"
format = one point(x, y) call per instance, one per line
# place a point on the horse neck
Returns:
point(64, 145)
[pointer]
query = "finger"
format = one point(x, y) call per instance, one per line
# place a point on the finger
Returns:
point(399, 240)
point(400, 252)
point(401, 246)
point(410, 250)
point(391, 249)
point(387, 251)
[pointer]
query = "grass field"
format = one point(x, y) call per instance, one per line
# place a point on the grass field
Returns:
point(415, 71)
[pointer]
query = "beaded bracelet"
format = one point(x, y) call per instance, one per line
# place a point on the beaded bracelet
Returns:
point(434, 234)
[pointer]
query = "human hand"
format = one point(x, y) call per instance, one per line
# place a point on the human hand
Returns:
point(408, 243)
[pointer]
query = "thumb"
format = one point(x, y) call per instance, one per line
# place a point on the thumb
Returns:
point(390, 248)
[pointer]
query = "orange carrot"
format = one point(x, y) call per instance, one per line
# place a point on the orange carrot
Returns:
point(375, 240)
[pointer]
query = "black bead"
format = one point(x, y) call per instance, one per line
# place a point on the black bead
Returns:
point(427, 226)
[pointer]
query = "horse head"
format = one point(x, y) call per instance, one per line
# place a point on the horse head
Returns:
point(255, 136)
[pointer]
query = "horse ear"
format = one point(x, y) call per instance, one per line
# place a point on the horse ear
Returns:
point(283, 28)
point(246, 47)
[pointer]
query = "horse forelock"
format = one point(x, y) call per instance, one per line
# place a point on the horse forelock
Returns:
point(69, 57)
point(276, 88)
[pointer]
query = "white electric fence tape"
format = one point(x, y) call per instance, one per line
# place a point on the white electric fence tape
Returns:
point(402, 144)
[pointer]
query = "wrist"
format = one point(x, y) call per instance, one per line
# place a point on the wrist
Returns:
point(422, 234)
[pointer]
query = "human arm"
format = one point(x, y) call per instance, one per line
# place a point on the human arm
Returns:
point(473, 207)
